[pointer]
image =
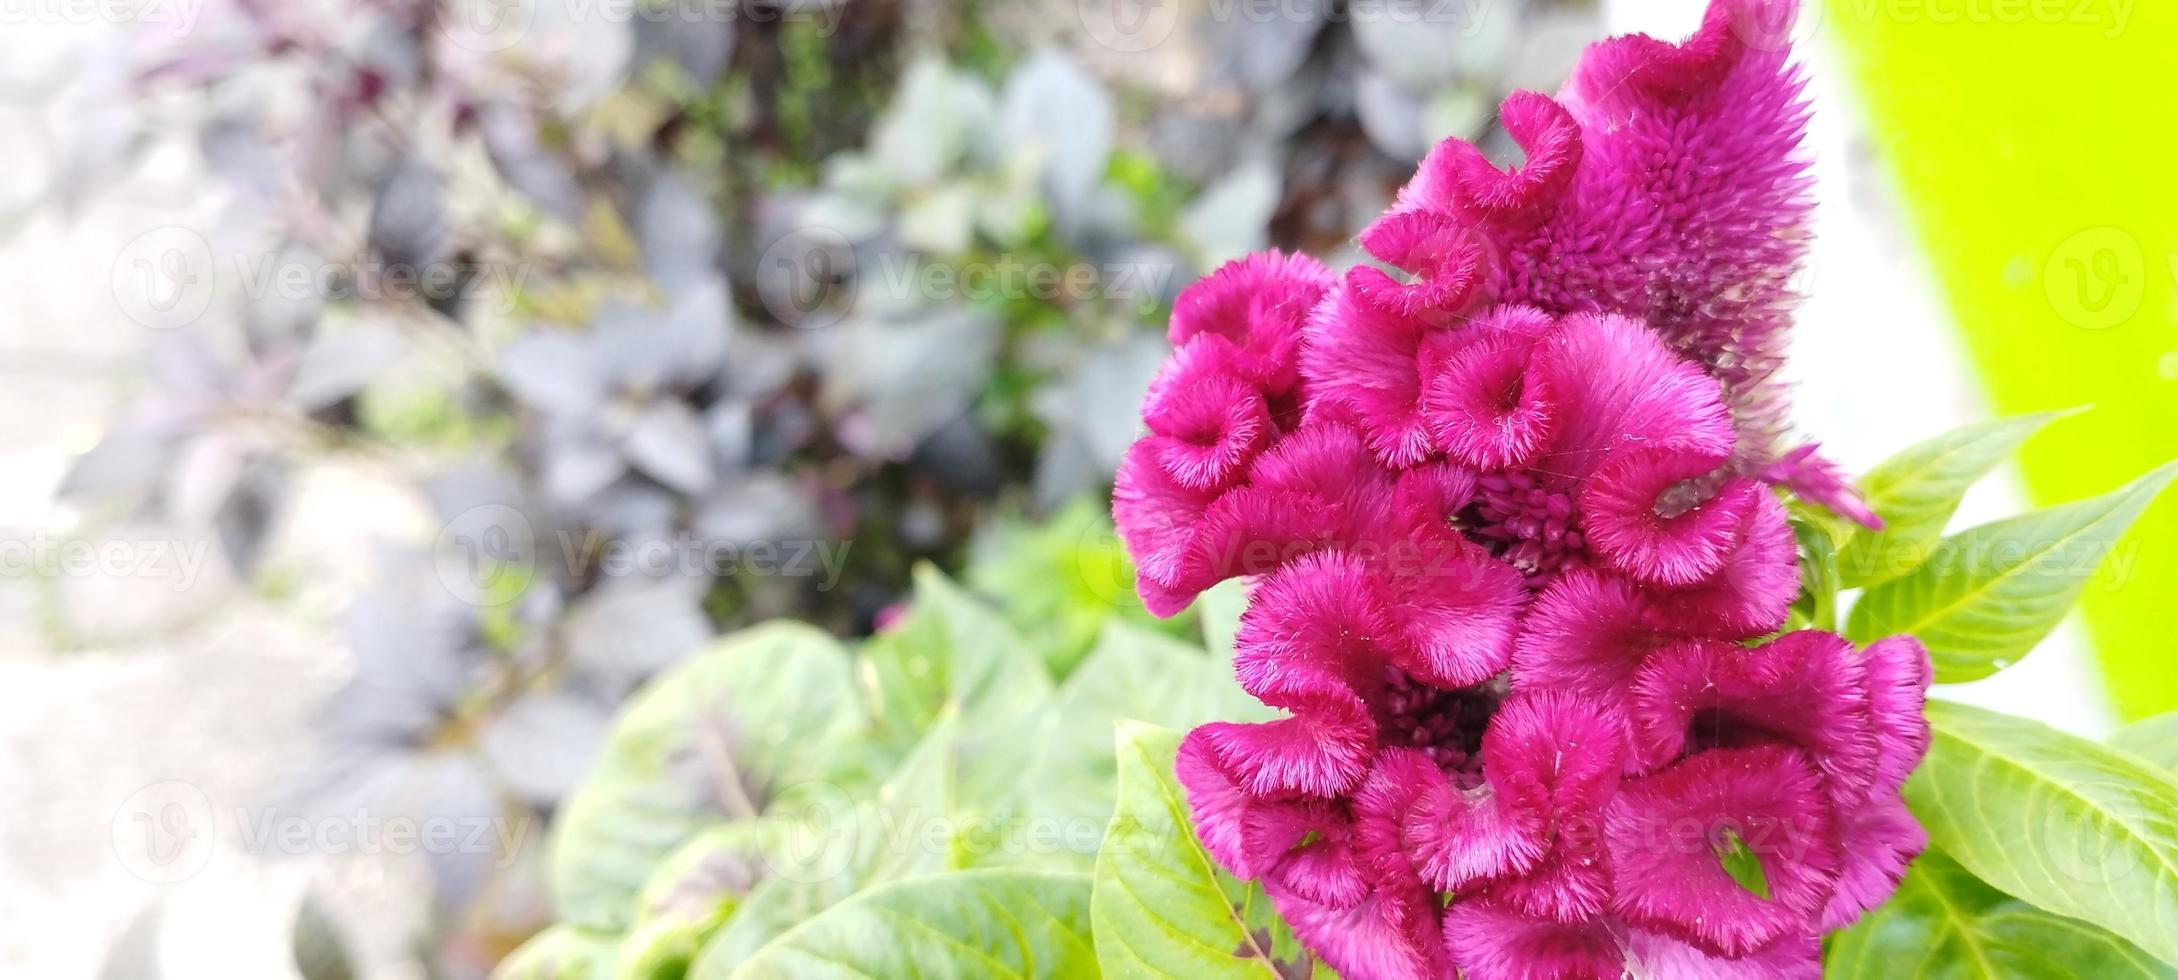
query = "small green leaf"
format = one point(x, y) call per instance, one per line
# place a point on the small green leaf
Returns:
point(985, 923)
point(2155, 739)
point(1161, 906)
point(1917, 491)
point(1987, 595)
point(1817, 607)
point(2058, 821)
point(1945, 923)
point(1744, 865)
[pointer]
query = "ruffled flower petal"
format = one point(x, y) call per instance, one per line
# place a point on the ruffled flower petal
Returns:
point(1257, 304)
point(1808, 689)
point(1493, 942)
point(1669, 835)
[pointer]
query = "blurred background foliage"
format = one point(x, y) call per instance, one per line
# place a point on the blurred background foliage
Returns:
point(879, 281)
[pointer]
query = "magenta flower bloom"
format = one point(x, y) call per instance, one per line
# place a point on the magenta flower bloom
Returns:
point(1665, 184)
point(1510, 537)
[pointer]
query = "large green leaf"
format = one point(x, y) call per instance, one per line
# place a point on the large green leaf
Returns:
point(2046, 211)
point(954, 652)
point(985, 923)
point(2155, 740)
point(766, 715)
point(1161, 906)
point(1917, 491)
point(824, 850)
point(1132, 674)
point(689, 896)
point(1946, 924)
point(562, 952)
point(2058, 821)
point(1988, 594)
point(1059, 580)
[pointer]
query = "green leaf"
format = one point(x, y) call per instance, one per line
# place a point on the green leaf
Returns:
point(987, 923)
point(767, 714)
point(691, 894)
point(1917, 491)
point(1221, 608)
point(822, 851)
point(1058, 581)
point(562, 952)
point(1817, 606)
point(1161, 906)
point(1945, 924)
point(954, 651)
point(1132, 674)
point(1744, 865)
point(2155, 740)
point(1987, 595)
point(2058, 821)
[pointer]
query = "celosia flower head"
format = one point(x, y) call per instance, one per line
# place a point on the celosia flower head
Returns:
point(1510, 549)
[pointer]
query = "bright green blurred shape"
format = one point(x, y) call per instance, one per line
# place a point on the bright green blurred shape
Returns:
point(2032, 142)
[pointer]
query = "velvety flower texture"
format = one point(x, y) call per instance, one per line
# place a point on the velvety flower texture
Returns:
point(1509, 561)
point(1664, 183)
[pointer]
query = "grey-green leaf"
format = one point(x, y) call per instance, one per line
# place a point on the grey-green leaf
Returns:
point(985, 923)
point(2058, 821)
point(2154, 739)
point(1945, 924)
point(1988, 594)
point(1917, 491)
point(717, 738)
point(1161, 906)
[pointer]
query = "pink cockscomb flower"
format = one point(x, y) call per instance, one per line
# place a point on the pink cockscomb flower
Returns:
point(1665, 183)
point(1513, 544)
